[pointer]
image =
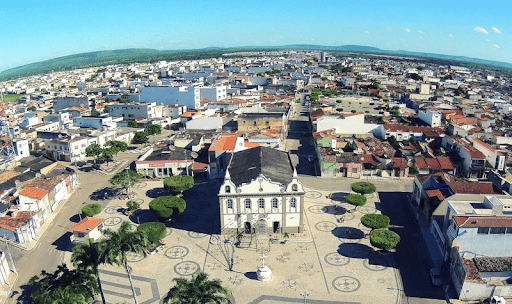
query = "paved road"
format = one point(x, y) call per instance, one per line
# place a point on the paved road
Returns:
point(52, 245)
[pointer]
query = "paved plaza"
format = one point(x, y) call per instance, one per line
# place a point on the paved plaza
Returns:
point(331, 262)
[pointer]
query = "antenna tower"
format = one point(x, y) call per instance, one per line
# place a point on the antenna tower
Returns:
point(7, 153)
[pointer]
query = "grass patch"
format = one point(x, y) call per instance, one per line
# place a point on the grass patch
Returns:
point(11, 97)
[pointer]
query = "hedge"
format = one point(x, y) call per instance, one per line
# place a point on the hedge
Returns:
point(356, 199)
point(178, 183)
point(375, 221)
point(154, 231)
point(384, 239)
point(166, 207)
point(364, 187)
point(91, 209)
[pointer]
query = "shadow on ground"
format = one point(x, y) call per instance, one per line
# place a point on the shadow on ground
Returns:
point(143, 216)
point(355, 250)
point(156, 192)
point(24, 294)
point(63, 243)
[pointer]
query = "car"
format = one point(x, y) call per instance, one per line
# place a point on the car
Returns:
point(435, 277)
point(311, 158)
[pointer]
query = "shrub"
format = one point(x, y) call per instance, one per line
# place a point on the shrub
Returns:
point(91, 209)
point(166, 207)
point(375, 221)
point(339, 100)
point(364, 187)
point(356, 199)
point(353, 111)
point(132, 205)
point(154, 231)
point(367, 111)
point(339, 109)
point(178, 183)
point(384, 239)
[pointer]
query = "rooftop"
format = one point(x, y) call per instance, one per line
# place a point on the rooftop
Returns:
point(87, 224)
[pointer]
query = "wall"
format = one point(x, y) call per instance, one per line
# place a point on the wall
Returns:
point(188, 96)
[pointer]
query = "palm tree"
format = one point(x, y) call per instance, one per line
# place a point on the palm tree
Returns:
point(118, 244)
point(199, 290)
point(87, 258)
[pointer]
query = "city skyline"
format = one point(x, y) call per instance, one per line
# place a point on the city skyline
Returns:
point(33, 32)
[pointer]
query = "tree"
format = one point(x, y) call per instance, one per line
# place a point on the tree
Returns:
point(178, 183)
point(153, 129)
point(118, 244)
point(93, 150)
point(198, 290)
point(132, 205)
point(356, 199)
point(87, 258)
point(125, 178)
point(64, 286)
point(132, 123)
point(363, 187)
point(32, 108)
point(95, 112)
point(141, 137)
point(91, 209)
point(166, 207)
point(384, 239)
point(375, 221)
point(114, 147)
point(154, 231)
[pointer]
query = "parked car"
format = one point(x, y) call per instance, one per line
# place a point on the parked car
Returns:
point(435, 277)
point(311, 158)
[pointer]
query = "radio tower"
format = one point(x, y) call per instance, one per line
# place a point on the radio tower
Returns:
point(7, 153)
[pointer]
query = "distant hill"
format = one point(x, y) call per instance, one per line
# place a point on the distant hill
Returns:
point(126, 56)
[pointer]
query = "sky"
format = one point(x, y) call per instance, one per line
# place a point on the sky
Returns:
point(33, 31)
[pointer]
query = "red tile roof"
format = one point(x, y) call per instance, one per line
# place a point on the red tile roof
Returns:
point(399, 163)
point(420, 163)
point(87, 224)
point(225, 143)
point(11, 223)
point(435, 193)
point(433, 164)
point(483, 221)
point(33, 193)
point(445, 162)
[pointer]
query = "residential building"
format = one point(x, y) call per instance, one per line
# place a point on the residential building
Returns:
point(88, 228)
point(249, 122)
point(183, 95)
point(134, 111)
point(345, 124)
point(96, 122)
point(164, 161)
point(261, 186)
point(61, 103)
point(70, 148)
point(216, 93)
point(431, 117)
point(473, 161)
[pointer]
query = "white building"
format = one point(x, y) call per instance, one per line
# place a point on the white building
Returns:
point(184, 95)
point(69, 149)
point(61, 103)
point(261, 184)
point(432, 118)
point(173, 111)
point(217, 93)
point(345, 124)
point(134, 111)
point(96, 122)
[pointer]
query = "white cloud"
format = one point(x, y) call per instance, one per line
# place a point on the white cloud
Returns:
point(421, 32)
point(488, 40)
point(408, 30)
point(481, 30)
point(496, 30)
point(451, 36)
point(366, 32)
point(496, 46)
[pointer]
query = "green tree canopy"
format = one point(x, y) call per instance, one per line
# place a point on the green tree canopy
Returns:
point(125, 178)
point(178, 183)
point(93, 150)
point(87, 258)
point(384, 239)
point(91, 209)
point(375, 221)
point(356, 199)
point(132, 123)
point(32, 108)
point(154, 231)
point(64, 286)
point(364, 187)
point(141, 137)
point(197, 290)
point(167, 206)
point(117, 146)
point(132, 205)
point(95, 112)
point(153, 129)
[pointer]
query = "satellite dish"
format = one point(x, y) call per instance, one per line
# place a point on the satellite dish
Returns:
point(194, 154)
point(38, 175)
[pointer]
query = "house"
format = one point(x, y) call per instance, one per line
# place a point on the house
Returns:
point(407, 132)
point(250, 122)
point(164, 161)
point(261, 186)
point(166, 95)
point(430, 165)
point(20, 226)
point(96, 122)
point(474, 161)
point(134, 111)
point(496, 158)
point(430, 117)
point(70, 148)
point(345, 124)
point(400, 167)
point(221, 150)
point(87, 228)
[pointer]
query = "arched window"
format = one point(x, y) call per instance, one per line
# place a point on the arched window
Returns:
point(261, 203)
point(229, 203)
point(293, 202)
point(294, 187)
point(228, 189)
point(274, 202)
point(247, 203)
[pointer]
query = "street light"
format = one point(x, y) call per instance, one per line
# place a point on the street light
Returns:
point(305, 294)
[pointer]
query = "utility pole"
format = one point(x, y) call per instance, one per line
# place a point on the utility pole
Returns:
point(186, 161)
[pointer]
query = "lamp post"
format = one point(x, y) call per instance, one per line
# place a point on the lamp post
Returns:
point(305, 294)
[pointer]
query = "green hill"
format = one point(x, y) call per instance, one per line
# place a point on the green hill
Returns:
point(126, 56)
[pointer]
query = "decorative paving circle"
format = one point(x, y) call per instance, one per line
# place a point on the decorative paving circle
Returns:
point(346, 284)
point(112, 221)
point(312, 194)
point(289, 284)
point(377, 264)
point(112, 209)
point(169, 231)
point(134, 257)
point(336, 259)
point(200, 205)
point(176, 252)
point(186, 268)
point(318, 209)
point(301, 249)
point(213, 266)
point(306, 267)
point(200, 233)
point(325, 226)
point(187, 218)
point(236, 279)
point(140, 185)
point(139, 201)
point(366, 209)
point(348, 216)
point(283, 258)
point(351, 236)
point(133, 227)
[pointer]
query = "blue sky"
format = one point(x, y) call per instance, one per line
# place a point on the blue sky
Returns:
point(37, 30)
